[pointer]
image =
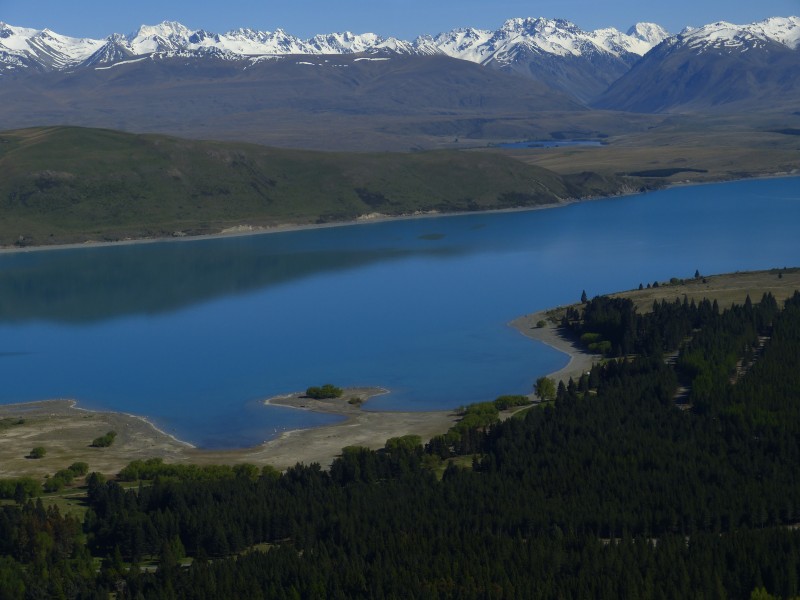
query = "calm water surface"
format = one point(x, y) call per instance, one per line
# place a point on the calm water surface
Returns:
point(548, 143)
point(194, 334)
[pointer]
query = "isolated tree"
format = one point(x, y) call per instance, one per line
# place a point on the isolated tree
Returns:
point(38, 452)
point(545, 389)
point(584, 297)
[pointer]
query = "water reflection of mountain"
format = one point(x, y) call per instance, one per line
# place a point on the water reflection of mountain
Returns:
point(91, 284)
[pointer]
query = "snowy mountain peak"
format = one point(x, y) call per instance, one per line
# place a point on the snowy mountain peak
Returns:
point(785, 30)
point(43, 49)
point(651, 33)
point(548, 36)
point(165, 29)
point(167, 36)
point(516, 42)
point(727, 36)
point(347, 42)
point(537, 34)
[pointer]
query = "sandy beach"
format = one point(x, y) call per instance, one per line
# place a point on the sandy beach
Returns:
point(66, 432)
point(580, 361)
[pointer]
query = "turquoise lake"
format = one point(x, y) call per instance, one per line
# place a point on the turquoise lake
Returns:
point(195, 334)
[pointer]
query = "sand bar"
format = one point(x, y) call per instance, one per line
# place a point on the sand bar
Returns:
point(66, 431)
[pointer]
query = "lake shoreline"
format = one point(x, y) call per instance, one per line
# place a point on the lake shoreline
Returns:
point(245, 230)
point(65, 428)
point(579, 362)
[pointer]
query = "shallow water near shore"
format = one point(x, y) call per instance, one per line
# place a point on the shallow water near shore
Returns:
point(194, 335)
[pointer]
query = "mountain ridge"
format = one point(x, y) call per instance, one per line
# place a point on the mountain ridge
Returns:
point(555, 36)
point(719, 66)
point(43, 76)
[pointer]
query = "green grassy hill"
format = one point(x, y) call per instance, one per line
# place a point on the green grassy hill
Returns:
point(70, 184)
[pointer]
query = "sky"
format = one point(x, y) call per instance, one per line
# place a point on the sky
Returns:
point(403, 19)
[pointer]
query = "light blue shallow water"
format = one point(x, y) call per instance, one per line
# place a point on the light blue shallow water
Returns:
point(194, 334)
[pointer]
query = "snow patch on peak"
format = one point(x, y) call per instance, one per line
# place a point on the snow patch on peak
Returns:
point(167, 36)
point(783, 30)
point(15, 38)
point(165, 29)
point(466, 44)
point(397, 46)
point(652, 33)
point(344, 43)
point(545, 36)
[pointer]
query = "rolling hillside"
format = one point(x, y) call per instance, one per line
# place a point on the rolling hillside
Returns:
point(68, 184)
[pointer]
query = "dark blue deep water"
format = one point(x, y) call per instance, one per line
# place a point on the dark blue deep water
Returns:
point(194, 334)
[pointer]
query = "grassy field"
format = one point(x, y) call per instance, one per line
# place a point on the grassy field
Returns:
point(69, 184)
point(685, 149)
point(726, 289)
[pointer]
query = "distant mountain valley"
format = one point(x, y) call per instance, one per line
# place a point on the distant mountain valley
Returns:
point(533, 78)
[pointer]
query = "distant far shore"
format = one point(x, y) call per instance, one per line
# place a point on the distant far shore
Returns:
point(244, 229)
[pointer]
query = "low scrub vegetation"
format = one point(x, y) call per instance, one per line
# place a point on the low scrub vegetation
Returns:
point(104, 441)
point(326, 391)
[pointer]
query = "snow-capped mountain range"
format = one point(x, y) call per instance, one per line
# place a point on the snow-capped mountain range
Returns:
point(723, 35)
point(712, 67)
point(720, 65)
point(22, 47)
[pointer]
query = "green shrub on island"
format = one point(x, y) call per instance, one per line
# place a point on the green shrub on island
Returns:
point(38, 452)
point(326, 391)
point(104, 441)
